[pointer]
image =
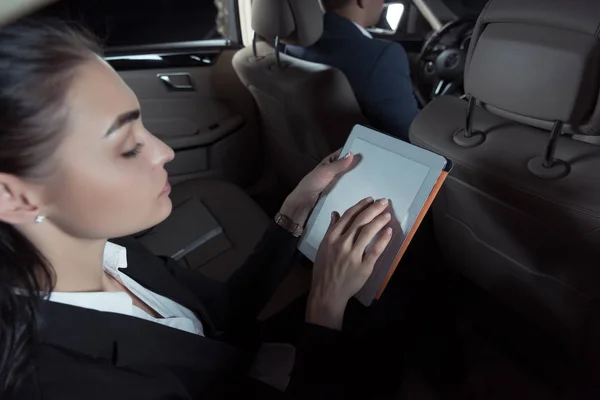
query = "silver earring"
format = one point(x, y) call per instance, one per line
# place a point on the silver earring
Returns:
point(39, 219)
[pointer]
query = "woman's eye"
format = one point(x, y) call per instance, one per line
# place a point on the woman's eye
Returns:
point(134, 152)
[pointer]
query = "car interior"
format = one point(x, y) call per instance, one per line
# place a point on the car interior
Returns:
point(509, 91)
point(307, 110)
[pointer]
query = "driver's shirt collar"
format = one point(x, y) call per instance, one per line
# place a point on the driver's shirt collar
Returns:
point(363, 30)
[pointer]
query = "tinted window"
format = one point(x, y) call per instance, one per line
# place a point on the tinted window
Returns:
point(137, 22)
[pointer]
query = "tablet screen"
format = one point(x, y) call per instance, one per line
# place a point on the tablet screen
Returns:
point(383, 167)
point(375, 168)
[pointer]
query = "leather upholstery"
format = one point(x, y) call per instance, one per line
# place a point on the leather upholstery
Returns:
point(295, 22)
point(244, 223)
point(532, 242)
point(530, 63)
point(242, 220)
point(582, 14)
point(307, 110)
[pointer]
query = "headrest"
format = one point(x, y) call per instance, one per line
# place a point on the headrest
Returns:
point(538, 61)
point(295, 22)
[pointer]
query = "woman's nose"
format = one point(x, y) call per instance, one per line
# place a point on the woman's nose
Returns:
point(163, 154)
point(167, 153)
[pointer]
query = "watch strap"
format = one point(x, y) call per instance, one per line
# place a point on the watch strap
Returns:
point(289, 225)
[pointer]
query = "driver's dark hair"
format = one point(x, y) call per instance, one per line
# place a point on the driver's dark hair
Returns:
point(333, 5)
point(38, 60)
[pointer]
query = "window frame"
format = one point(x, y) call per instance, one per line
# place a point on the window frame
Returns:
point(231, 27)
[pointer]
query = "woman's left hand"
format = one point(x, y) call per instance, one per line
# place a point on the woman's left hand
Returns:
point(302, 200)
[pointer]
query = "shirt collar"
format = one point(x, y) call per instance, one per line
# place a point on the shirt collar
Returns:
point(115, 257)
point(363, 30)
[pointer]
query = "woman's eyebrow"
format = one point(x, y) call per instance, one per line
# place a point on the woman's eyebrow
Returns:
point(123, 119)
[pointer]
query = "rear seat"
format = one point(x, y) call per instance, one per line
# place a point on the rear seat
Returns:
point(244, 224)
point(242, 220)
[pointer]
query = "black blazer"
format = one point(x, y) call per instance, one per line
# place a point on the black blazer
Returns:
point(87, 354)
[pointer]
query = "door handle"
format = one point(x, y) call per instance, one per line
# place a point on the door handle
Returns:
point(179, 82)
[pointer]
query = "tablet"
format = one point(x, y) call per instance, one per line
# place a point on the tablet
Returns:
point(383, 167)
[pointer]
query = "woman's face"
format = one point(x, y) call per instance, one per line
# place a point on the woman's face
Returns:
point(108, 178)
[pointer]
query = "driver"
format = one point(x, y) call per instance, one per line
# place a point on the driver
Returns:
point(377, 70)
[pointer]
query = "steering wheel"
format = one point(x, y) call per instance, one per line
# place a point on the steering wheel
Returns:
point(442, 59)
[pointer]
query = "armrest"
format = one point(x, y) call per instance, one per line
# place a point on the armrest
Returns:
point(208, 136)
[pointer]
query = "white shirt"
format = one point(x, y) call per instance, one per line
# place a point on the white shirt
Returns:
point(363, 30)
point(115, 258)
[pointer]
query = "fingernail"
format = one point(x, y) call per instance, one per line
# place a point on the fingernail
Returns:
point(383, 202)
point(348, 155)
point(387, 215)
point(333, 215)
point(388, 231)
point(369, 200)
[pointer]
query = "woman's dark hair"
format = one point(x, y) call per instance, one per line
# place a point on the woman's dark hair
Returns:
point(38, 60)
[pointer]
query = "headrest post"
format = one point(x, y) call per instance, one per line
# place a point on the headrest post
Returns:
point(547, 166)
point(254, 39)
point(468, 137)
point(276, 46)
point(551, 148)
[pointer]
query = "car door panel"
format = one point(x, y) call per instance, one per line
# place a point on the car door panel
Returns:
point(193, 101)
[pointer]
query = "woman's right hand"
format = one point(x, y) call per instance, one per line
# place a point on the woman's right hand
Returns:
point(343, 266)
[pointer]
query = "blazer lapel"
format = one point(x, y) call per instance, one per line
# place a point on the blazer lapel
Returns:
point(149, 271)
point(132, 342)
point(200, 364)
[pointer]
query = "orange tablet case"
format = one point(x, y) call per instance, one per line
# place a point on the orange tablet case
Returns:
point(411, 234)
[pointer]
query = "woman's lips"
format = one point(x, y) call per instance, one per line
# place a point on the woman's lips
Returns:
point(166, 190)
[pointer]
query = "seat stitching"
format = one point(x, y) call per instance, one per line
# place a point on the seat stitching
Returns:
point(535, 273)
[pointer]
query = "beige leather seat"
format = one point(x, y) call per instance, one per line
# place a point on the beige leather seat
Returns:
point(307, 110)
point(241, 220)
point(243, 223)
point(518, 220)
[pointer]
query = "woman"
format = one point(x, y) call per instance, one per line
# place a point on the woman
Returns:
point(77, 167)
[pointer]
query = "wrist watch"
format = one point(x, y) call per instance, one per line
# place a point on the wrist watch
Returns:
point(286, 223)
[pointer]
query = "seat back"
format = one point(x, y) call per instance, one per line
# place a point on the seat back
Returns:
point(526, 231)
point(307, 110)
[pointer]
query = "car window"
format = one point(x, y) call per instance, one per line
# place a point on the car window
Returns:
point(141, 22)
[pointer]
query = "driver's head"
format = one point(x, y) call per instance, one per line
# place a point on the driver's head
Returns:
point(364, 12)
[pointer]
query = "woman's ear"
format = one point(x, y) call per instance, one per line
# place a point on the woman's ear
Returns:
point(15, 206)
